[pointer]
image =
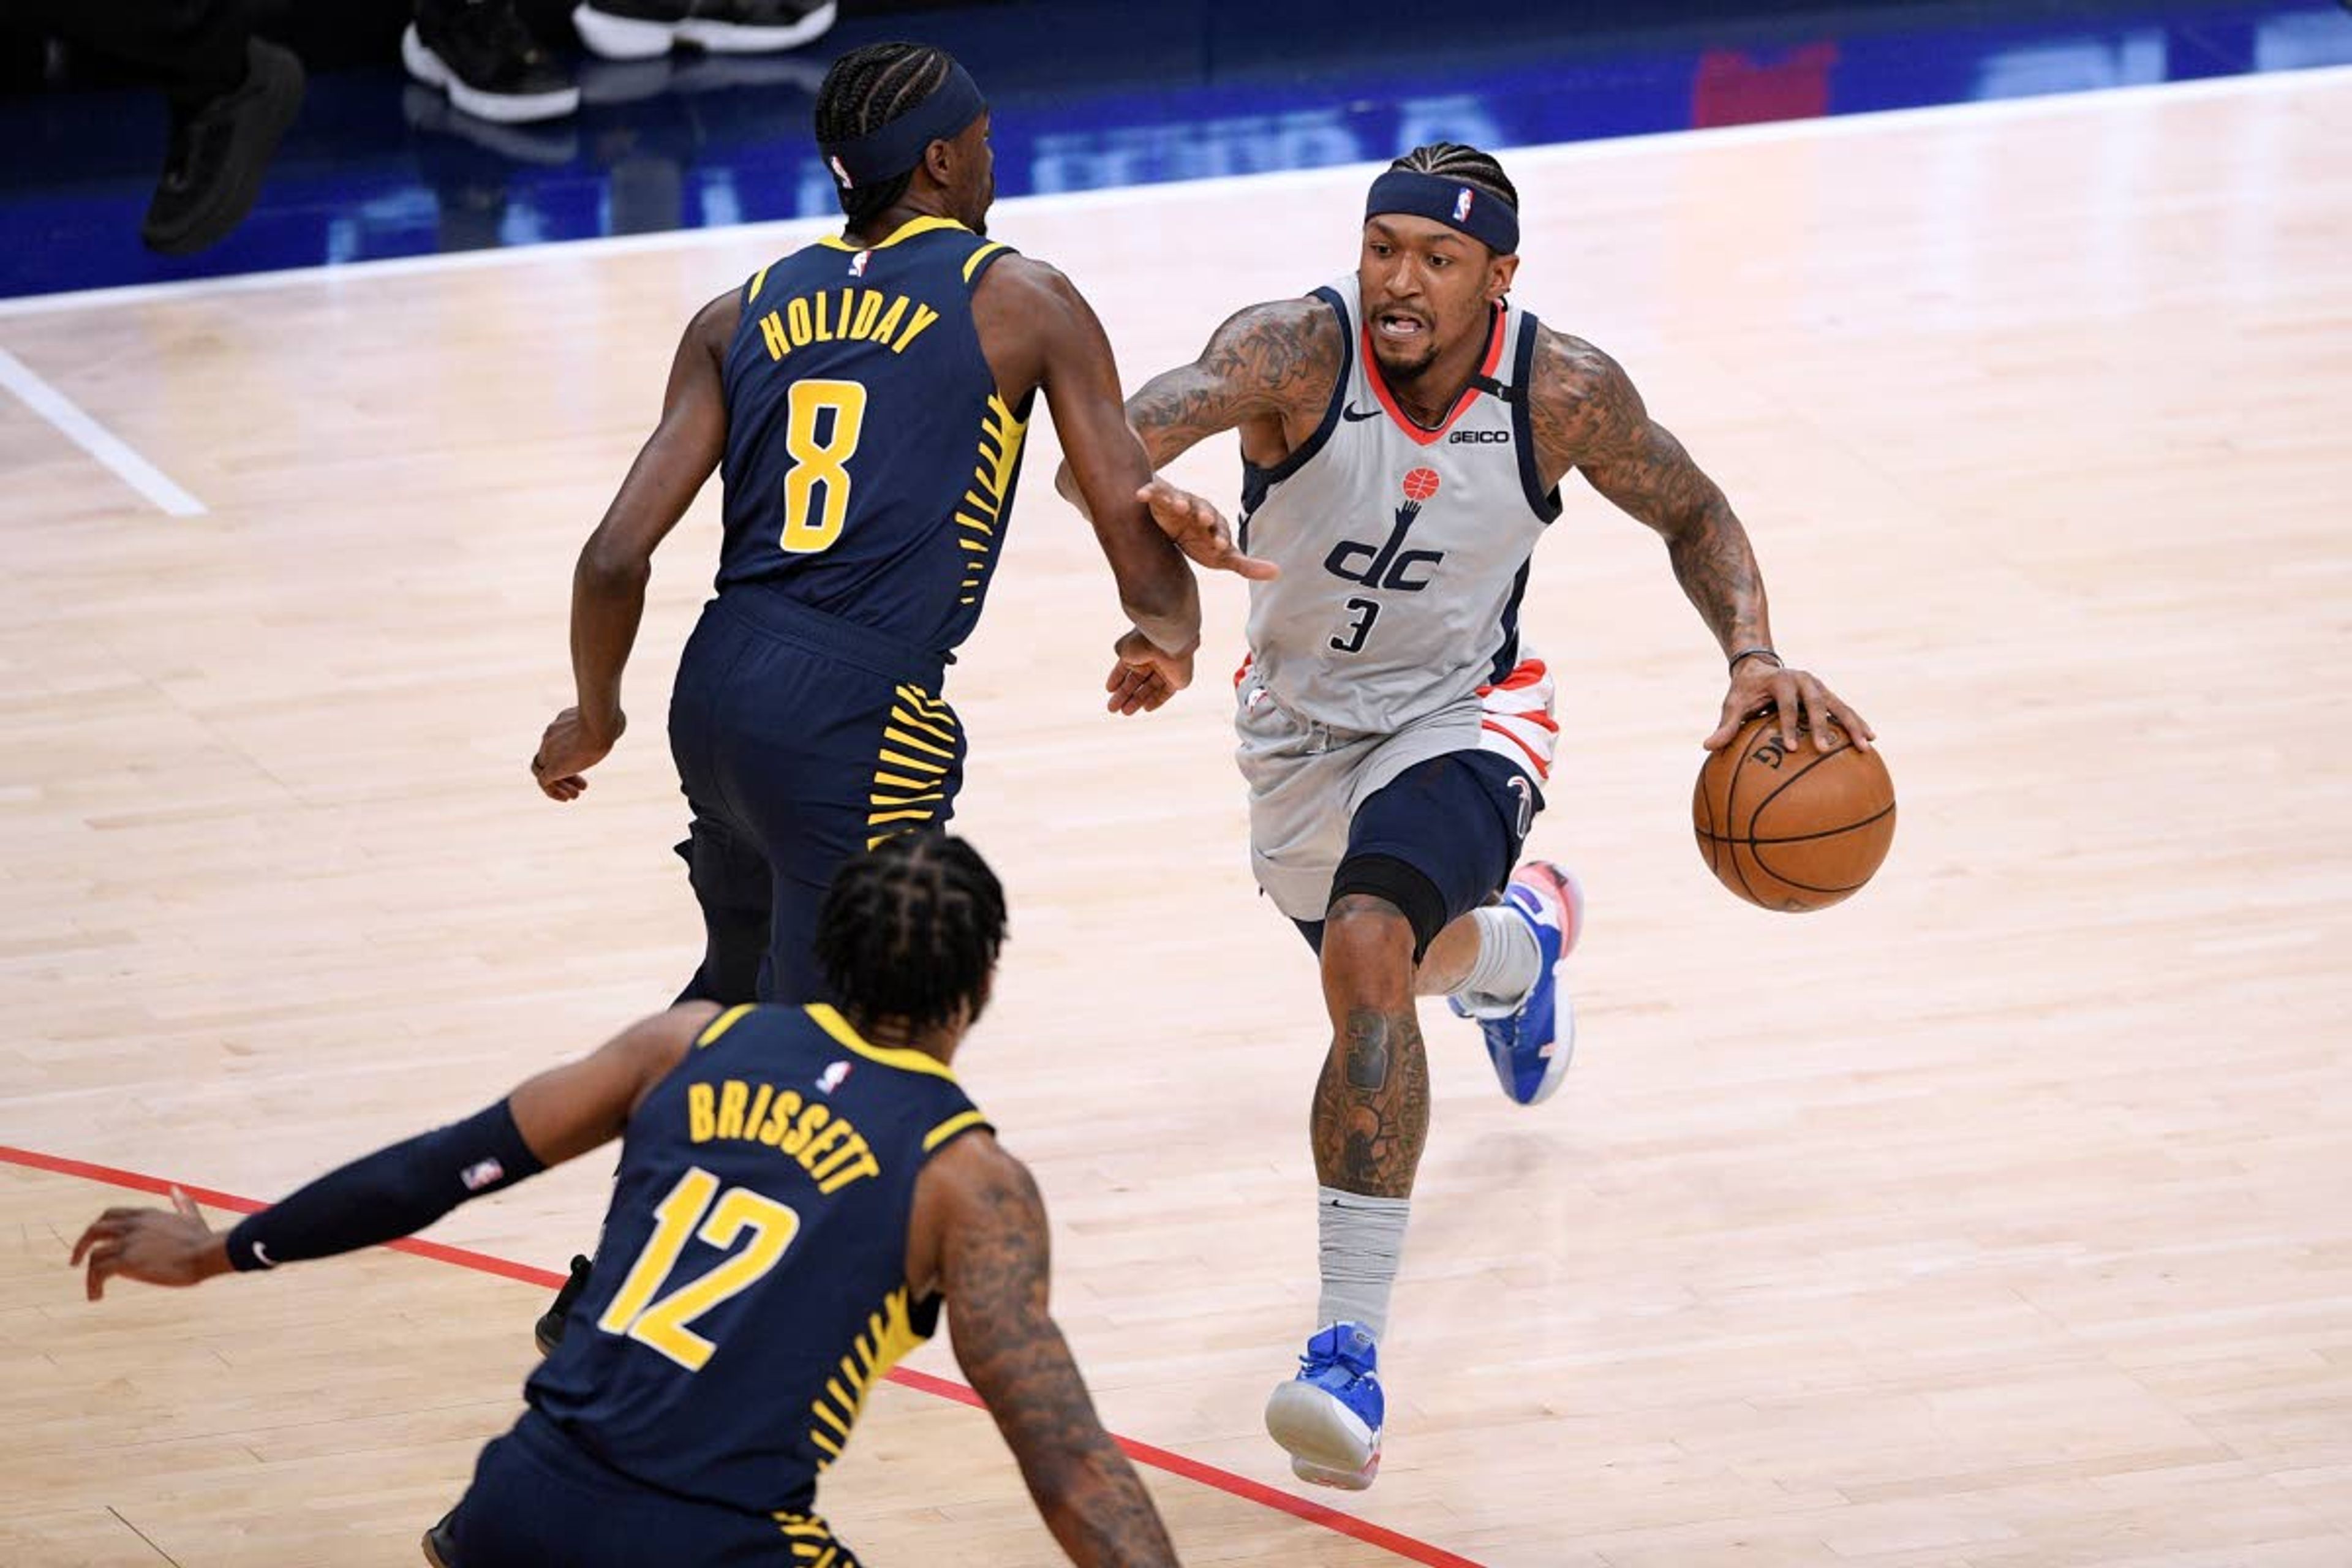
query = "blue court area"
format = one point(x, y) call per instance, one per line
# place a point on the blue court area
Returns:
point(1086, 96)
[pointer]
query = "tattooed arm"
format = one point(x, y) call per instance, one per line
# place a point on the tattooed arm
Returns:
point(1587, 416)
point(978, 1208)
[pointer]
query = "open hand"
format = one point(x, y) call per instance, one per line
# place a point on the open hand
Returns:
point(1804, 703)
point(1199, 531)
point(568, 750)
point(155, 1246)
point(1145, 675)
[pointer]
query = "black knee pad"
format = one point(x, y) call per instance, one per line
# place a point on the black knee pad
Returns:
point(1406, 886)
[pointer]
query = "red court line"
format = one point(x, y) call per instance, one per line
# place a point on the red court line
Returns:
point(1159, 1459)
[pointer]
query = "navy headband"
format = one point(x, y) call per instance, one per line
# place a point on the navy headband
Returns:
point(895, 149)
point(1482, 214)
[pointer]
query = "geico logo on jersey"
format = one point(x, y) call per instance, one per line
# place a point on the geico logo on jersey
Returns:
point(1479, 438)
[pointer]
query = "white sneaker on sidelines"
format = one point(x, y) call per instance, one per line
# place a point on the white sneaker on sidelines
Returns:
point(639, 29)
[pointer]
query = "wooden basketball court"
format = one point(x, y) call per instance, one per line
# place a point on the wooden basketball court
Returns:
point(1999, 1218)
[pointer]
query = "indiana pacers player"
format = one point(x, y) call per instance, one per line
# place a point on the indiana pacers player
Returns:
point(1404, 431)
point(866, 400)
point(800, 1190)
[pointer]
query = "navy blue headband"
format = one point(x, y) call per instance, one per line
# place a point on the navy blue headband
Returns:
point(1482, 214)
point(896, 147)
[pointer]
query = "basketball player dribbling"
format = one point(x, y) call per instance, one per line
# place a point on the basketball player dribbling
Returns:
point(1404, 431)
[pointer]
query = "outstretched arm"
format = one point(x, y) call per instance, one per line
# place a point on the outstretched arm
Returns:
point(1588, 416)
point(992, 1265)
point(1267, 370)
point(397, 1191)
point(608, 584)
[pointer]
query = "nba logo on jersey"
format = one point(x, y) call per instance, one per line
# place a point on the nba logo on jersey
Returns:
point(1462, 200)
point(830, 1079)
point(858, 263)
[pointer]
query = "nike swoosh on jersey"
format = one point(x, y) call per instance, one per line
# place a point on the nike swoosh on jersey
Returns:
point(1351, 412)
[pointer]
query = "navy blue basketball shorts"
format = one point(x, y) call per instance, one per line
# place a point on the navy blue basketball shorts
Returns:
point(539, 1499)
point(800, 741)
point(1437, 841)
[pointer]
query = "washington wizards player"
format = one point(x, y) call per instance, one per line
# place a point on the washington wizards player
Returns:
point(1403, 434)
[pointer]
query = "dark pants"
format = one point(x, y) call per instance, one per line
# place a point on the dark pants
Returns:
point(538, 1501)
point(194, 49)
point(1438, 840)
point(799, 740)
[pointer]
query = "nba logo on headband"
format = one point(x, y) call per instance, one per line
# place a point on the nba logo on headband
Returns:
point(1462, 200)
point(843, 174)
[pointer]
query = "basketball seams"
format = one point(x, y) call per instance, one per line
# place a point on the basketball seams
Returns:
point(1753, 839)
point(1751, 874)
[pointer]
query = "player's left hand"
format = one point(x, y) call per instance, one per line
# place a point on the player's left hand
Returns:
point(1145, 675)
point(1803, 703)
point(153, 1246)
point(1199, 531)
point(567, 751)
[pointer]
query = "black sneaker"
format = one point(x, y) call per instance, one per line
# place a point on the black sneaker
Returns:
point(481, 55)
point(213, 171)
point(639, 29)
point(549, 1331)
point(440, 1544)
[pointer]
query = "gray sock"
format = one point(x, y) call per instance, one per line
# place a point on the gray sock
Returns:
point(1362, 1238)
point(1507, 965)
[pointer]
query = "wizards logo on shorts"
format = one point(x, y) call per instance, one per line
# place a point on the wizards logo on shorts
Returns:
point(1462, 200)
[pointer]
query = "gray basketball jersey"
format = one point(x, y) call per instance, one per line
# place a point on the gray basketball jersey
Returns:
point(1403, 551)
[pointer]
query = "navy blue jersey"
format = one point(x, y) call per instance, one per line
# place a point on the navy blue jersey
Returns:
point(870, 462)
point(750, 1287)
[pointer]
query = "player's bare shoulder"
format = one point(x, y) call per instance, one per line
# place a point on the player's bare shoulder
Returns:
point(1580, 403)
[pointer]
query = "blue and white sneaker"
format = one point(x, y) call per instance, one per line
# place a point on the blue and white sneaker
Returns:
point(1530, 1044)
point(1329, 1416)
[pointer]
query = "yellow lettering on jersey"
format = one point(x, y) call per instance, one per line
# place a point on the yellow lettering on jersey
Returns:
point(817, 1146)
point(869, 310)
point(924, 317)
point(700, 1120)
point(759, 1109)
point(731, 1098)
point(796, 320)
point(771, 328)
point(889, 323)
point(823, 319)
point(814, 1117)
point(788, 1105)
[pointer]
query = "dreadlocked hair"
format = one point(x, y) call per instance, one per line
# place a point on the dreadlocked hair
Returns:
point(910, 930)
point(868, 88)
point(1465, 166)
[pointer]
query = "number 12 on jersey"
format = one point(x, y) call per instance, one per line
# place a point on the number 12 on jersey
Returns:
point(663, 1325)
point(816, 486)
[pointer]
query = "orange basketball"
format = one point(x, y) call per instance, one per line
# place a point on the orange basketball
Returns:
point(1792, 830)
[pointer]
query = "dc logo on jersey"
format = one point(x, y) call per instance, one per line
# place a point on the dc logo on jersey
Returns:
point(1462, 200)
point(830, 1079)
point(858, 263)
point(1390, 564)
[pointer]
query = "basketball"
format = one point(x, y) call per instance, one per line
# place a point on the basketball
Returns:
point(1792, 830)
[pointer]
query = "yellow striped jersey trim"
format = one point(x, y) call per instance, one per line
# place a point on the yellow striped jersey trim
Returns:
point(757, 278)
point(930, 705)
point(950, 1127)
point(971, 263)
point(830, 1020)
point(920, 764)
point(924, 724)
point(906, 230)
point(721, 1023)
point(892, 732)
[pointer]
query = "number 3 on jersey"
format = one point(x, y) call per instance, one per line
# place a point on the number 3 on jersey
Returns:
point(820, 462)
point(663, 1325)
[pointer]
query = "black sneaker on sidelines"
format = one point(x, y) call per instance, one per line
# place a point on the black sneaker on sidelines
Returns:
point(639, 29)
point(481, 55)
point(440, 1545)
point(213, 170)
point(550, 1329)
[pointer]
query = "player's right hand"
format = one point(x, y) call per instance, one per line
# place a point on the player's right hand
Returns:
point(151, 1244)
point(568, 750)
point(1200, 531)
point(1145, 675)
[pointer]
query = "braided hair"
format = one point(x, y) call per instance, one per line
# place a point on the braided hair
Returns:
point(910, 930)
point(865, 90)
point(1463, 165)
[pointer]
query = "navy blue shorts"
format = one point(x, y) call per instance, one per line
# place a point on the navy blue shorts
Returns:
point(539, 1499)
point(800, 739)
point(1438, 840)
